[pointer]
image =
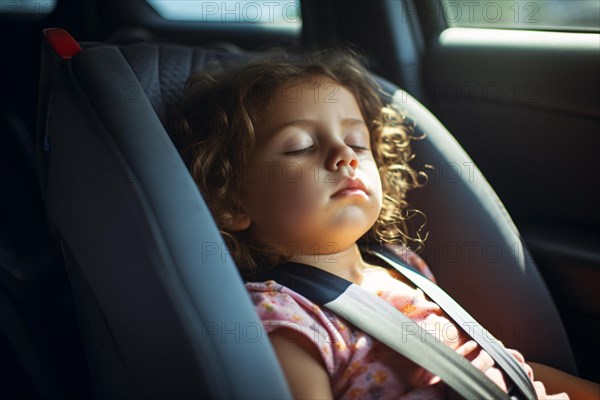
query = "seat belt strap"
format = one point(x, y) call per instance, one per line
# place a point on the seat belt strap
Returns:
point(486, 340)
point(381, 320)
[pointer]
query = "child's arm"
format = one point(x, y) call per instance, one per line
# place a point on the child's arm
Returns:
point(559, 381)
point(302, 365)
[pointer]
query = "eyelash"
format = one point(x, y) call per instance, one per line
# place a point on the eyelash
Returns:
point(301, 152)
point(360, 148)
point(307, 150)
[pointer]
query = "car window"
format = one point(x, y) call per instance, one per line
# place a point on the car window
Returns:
point(570, 15)
point(37, 7)
point(283, 14)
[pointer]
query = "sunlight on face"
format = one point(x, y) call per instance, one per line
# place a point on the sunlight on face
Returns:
point(312, 184)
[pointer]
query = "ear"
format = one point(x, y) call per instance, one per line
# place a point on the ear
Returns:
point(239, 222)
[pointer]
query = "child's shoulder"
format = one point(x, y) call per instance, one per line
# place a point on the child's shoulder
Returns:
point(280, 307)
point(274, 296)
point(283, 307)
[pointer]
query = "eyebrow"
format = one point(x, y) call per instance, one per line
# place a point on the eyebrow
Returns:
point(345, 121)
point(353, 121)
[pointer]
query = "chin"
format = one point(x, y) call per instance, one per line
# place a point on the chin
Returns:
point(349, 236)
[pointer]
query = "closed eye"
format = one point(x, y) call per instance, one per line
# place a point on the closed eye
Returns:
point(301, 152)
point(361, 148)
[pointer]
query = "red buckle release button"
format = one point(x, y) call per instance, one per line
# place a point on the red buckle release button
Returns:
point(62, 43)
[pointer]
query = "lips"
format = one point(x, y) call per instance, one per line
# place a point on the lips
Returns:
point(349, 187)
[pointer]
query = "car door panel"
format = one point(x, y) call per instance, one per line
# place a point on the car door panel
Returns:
point(525, 107)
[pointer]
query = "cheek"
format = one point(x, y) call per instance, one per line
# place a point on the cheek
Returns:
point(298, 192)
point(372, 174)
point(286, 191)
point(379, 190)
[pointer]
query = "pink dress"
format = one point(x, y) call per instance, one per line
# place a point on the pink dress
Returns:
point(360, 367)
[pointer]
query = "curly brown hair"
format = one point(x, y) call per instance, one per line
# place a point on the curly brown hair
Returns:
point(221, 108)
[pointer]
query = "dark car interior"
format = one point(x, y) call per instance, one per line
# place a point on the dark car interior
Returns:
point(104, 295)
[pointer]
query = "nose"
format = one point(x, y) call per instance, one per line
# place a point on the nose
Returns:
point(342, 155)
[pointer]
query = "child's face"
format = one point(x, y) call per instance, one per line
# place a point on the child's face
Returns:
point(312, 143)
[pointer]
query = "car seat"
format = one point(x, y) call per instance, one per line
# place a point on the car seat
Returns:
point(162, 310)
